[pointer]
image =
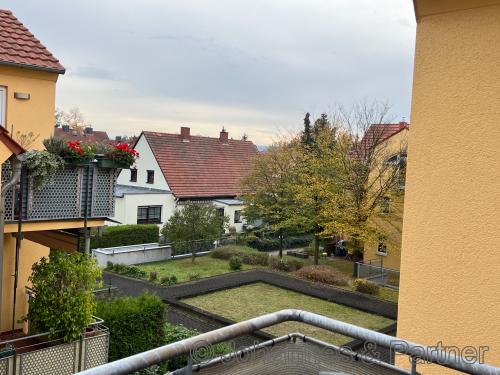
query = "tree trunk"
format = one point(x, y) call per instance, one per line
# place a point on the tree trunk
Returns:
point(193, 252)
point(316, 249)
point(281, 244)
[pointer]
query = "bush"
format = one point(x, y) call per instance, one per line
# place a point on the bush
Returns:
point(194, 276)
point(235, 263)
point(63, 298)
point(109, 265)
point(131, 271)
point(247, 255)
point(175, 333)
point(153, 276)
point(365, 286)
point(323, 274)
point(285, 264)
point(168, 280)
point(273, 243)
point(123, 235)
point(135, 324)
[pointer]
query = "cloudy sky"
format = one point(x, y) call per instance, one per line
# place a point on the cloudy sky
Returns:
point(253, 66)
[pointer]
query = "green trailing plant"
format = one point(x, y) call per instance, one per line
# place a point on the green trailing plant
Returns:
point(41, 167)
point(63, 299)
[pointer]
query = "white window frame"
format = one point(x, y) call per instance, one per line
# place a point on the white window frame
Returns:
point(3, 106)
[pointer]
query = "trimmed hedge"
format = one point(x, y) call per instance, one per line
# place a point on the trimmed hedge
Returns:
point(175, 333)
point(285, 264)
point(135, 324)
point(272, 244)
point(127, 270)
point(123, 235)
point(366, 286)
point(247, 255)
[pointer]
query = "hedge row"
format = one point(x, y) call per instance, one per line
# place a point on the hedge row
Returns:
point(123, 235)
point(247, 255)
point(271, 244)
point(135, 324)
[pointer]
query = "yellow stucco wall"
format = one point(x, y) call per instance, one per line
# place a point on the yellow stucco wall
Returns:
point(35, 114)
point(391, 224)
point(449, 288)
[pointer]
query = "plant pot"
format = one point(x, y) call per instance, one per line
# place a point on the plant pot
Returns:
point(110, 163)
point(82, 163)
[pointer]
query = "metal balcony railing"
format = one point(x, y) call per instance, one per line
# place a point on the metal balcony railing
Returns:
point(73, 192)
point(290, 358)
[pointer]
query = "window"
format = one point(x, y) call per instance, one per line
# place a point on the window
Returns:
point(220, 212)
point(149, 215)
point(382, 249)
point(151, 177)
point(386, 205)
point(133, 175)
point(3, 105)
point(237, 216)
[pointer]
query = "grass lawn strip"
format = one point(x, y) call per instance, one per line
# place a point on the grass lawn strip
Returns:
point(256, 299)
point(204, 266)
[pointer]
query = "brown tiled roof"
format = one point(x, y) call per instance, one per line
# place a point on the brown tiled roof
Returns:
point(378, 133)
point(19, 47)
point(203, 167)
point(96, 136)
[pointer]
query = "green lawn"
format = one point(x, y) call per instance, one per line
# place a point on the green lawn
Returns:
point(204, 266)
point(252, 300)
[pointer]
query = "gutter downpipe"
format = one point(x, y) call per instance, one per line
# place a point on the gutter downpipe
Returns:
point(416, 351)
point(16, 166)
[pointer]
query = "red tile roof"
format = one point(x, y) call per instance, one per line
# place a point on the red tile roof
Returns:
point(19, 47)
point(96, 136)
point(203, 167)
point(378, 133)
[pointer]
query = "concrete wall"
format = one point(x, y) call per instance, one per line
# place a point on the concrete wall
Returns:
point(131, 255)
point(449, 289)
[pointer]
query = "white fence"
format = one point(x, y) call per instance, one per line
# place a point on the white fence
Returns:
point(132, 254)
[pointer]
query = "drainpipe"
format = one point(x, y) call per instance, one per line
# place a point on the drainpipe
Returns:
point(16, 164)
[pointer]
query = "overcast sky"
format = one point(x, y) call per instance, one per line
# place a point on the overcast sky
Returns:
point(253, 66)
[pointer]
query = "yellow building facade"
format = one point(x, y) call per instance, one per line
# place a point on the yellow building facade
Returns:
point(449, 286)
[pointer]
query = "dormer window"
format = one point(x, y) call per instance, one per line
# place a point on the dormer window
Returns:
point(133, 175)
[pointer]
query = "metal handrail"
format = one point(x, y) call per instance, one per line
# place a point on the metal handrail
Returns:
point(151, 357)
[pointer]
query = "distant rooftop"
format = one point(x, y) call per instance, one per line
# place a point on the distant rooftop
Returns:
point(88, 135)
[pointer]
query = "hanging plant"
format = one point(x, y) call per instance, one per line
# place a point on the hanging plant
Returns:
point(41, 167)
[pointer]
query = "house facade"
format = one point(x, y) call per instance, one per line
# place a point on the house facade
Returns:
point(175, 169)
point(54, 216)
point(388, 217)
point(451, 240)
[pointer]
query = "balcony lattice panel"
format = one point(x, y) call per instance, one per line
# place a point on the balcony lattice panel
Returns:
point(56, 360)
point(4, 366)
point(96, 351)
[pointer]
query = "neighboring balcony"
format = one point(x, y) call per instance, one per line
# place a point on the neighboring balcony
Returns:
point(75, 192)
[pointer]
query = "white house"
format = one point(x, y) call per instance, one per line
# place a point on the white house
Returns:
point(174, 169)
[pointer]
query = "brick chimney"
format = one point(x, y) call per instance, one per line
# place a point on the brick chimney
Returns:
point(224, 136)
point(185, 134)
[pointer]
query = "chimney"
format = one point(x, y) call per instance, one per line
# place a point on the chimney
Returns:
point(65, 128)
point(88, 130)
point(224, 137)
point(118, 138)
point(185, 134)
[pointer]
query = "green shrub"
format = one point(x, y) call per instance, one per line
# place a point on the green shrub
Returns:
point(168, 280)
point(365, 286)
point(153, 276)
point(264, 244)
point(247, 255)
point(63, 298)
point(273, 243)
point(109, 265)
point(122, 235)
point(131, 271)
point(323, 274)
point(235, 263)
point(285, 264)
point(175, 333)
point(135, 324)
point(194, 276)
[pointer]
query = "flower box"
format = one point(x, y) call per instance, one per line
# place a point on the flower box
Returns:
point(110, 163)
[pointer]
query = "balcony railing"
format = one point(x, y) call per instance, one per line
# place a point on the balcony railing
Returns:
point(36, 354)
point(73, 193)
